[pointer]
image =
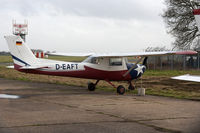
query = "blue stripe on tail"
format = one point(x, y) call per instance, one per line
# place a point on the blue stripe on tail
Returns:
point(15, 58)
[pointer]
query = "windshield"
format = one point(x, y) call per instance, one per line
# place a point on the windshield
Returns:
point(93, 60)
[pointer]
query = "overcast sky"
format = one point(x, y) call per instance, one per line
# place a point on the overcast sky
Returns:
point(87, 25)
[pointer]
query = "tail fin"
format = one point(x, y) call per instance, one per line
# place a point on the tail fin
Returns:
point(196, 13)
point(20, 52)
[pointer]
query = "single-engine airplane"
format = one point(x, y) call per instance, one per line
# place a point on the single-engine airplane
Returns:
point(108, 67)
point(188, 77)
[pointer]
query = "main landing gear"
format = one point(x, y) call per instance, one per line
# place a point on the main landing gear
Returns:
point(120, 89)
point(92, 86)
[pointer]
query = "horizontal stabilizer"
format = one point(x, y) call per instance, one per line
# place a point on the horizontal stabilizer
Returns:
point(10, 67)
point(188, 77)
point(33, 67)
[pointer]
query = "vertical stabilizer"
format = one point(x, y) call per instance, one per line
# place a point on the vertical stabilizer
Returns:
point(20, 52)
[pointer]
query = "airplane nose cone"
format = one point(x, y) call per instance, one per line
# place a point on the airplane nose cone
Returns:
point(140, 70)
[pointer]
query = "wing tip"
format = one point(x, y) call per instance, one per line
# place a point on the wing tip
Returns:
point(189, 52)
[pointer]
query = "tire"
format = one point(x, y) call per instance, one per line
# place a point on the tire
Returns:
point(120, 90)
point(91, 86)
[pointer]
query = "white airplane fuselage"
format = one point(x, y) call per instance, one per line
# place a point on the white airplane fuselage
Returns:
point(100, 70)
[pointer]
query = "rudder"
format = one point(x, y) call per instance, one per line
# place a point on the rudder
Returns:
point(20, 52)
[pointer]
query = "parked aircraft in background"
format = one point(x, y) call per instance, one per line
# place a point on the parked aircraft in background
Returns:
point(188, 77)
point(108, 67)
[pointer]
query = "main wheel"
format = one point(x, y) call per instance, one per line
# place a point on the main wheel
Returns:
point(91, 86)
point(120, 90)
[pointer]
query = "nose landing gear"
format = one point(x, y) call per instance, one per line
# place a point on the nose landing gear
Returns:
point(131, 86)
point(120, 89)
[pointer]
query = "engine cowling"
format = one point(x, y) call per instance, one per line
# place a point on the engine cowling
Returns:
point(137, 71)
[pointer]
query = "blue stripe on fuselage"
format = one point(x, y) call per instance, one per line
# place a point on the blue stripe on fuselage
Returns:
point(132, 73)
point(15, 58)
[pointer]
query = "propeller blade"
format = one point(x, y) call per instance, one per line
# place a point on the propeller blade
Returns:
point(133, 67)
point(145, 61)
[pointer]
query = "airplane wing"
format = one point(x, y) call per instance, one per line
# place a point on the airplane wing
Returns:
point(71, 54)
point(131, 54)
point(145, 54)
point(188, 77)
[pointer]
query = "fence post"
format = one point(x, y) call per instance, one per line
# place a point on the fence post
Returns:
point(184, 62)
point(154, 63)
point(198, 59)
point(160, 62)
point(172, 62)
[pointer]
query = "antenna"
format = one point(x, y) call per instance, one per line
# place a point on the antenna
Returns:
point(20, 29)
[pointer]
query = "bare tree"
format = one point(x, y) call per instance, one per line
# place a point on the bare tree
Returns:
point(181, 23)
point(156, 49)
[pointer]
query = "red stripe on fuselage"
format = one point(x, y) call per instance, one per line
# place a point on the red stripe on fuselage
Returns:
point(88, 73)
point(17, 67)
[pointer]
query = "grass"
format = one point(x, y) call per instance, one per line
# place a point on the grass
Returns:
point(180, 94)
point(5, 59)
point(174, 93)
point(163, 89)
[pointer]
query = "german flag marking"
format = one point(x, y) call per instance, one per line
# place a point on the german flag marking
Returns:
point(18, 43)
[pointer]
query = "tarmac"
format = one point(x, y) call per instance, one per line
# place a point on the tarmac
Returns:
point(51, 108)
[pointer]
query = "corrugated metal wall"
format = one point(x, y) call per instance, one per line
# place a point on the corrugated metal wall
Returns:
point(174, 62)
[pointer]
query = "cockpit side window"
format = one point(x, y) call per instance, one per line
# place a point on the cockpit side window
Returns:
point(92, 60)
point(95, 60)
point(115, 61)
